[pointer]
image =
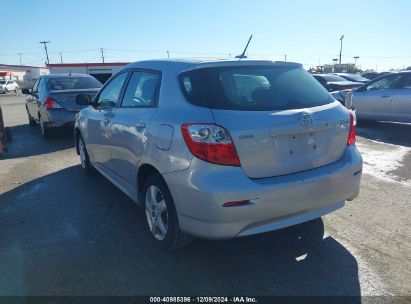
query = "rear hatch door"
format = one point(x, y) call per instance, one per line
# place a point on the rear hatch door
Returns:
point(280, 118)
point(283, 142)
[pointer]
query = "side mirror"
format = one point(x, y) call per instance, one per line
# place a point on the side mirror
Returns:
point(83, 99)
point(26, 91)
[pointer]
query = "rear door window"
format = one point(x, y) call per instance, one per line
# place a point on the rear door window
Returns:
point(253, 88)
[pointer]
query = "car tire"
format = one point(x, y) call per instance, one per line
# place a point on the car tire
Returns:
point(161, 215)
point(84, 158)
point(32, 121)
point(44, 129)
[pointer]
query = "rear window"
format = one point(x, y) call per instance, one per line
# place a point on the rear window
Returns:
point(73, 83)
point(253, 88)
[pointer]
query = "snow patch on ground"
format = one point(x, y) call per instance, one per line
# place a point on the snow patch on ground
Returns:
point(380, 159)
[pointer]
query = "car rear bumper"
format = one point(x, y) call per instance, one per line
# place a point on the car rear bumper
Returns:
point(200, 192)
point(60, 118)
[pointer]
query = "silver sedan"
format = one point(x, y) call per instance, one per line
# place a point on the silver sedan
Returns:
point(386, 98)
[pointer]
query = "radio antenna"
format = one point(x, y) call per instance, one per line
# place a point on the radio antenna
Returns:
point(242, 56)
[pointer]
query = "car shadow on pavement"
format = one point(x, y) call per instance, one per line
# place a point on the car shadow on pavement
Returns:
point(390, 133)
point(71, 234)
point(28, 141)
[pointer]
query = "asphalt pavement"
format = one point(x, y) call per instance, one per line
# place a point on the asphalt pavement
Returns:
point(64, 233)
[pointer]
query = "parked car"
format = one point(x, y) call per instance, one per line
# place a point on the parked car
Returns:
point(372, 75)
point(8, 86)
point(5, 134)
point(51, 102)
point(385, 98)
point(220, 149)
point(336, 83)
point(353, 77)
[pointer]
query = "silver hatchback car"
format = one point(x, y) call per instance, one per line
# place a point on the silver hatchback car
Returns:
point(221, 149)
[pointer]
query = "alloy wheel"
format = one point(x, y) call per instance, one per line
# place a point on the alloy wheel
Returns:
point(156, 212)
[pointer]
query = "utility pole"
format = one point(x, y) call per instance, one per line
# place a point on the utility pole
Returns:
point(168, 54)
point(45, 48)
point(341, 39)
point(285, 57)
point(356, 58)
point(20, 58)
point(61, 58)
point(102, 54)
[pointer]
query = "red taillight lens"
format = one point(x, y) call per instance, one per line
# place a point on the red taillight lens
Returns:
point(353, 126)
point(50, 103)
point(210, 143)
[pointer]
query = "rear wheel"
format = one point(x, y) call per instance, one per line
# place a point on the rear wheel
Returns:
point(84, 158)
point(161, 215)
point(45, 130)
point(32, 121)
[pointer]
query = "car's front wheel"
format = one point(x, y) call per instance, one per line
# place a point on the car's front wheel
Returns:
point(161, 215)
point(84, 158)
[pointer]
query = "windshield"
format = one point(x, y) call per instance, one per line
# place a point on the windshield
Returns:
point(255, 88)
point(333, 78)
point(73, 83)
point(2, 82)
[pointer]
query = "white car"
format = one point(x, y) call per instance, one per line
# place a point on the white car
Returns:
point(8, 85)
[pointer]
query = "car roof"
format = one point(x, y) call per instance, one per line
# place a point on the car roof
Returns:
point(193, 63)
point(66, 75)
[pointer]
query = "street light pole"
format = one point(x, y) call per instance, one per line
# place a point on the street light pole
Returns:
point(356, 58)
point(45, 48)
point(341, 39)
point(20, 58)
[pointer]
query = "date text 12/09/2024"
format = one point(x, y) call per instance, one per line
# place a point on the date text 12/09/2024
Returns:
point(240, 299)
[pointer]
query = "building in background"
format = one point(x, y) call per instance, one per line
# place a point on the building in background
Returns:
point(24, 75)
point(101, 71)
point(340, 68)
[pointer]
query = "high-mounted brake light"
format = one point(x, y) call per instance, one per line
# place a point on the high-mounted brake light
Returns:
point(210, 143)
point(353, 126)
point(50, 103)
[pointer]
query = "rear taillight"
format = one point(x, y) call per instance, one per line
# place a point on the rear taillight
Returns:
point(210, 143)
point(50, 103)
point(353, 125)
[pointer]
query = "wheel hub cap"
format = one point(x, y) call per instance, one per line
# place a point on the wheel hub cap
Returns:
point(156, 212)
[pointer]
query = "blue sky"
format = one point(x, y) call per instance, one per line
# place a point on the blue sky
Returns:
point(307, 31)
